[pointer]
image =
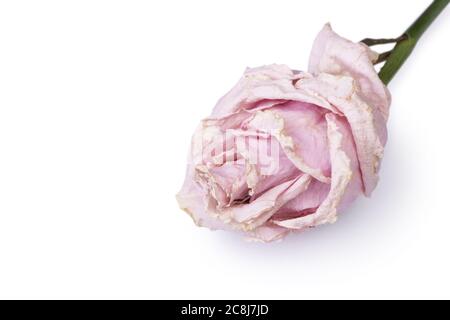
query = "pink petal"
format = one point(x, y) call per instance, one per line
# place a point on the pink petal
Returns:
point(306, 203)
point(271, 121)
point(341, 177)
point(336, 55)
point(264, 84)
point(368, 127)
point(194, 200)
point(249, 216)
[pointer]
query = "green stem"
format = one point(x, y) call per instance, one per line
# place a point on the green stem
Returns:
point(404, 47)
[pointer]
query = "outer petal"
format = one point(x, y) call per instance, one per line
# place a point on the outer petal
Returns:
point(193, 199)
point(262, 88)
point(355, 187)
point(368, 127)
point(336, 55)
point(267, 232)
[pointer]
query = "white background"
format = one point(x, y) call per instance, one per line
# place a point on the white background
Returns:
point(98, 100)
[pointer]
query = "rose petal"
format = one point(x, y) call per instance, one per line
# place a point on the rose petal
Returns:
point(341, 177)
point(194, 200)
point(249, 216)
point(267, 83)
point(369, 129)
point(272, 122)
point(267, 232)
point(336, 55)
point(306, 203)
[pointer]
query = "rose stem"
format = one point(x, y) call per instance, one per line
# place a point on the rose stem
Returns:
point(409, 39)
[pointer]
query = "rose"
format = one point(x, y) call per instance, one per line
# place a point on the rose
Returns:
point(286, 150)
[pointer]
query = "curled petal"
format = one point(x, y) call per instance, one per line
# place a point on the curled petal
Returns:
point(194, 200)
point(305, 204)
point(368, 128)
point(263, 87)
point(336, 55)
point(341, 177)
point(267, 233)
point(272, 122)
point(252, 215)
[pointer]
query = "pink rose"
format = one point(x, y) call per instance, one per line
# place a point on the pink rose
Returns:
point(286, 150)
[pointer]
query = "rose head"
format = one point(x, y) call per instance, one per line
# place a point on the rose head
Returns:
point(286, 150)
